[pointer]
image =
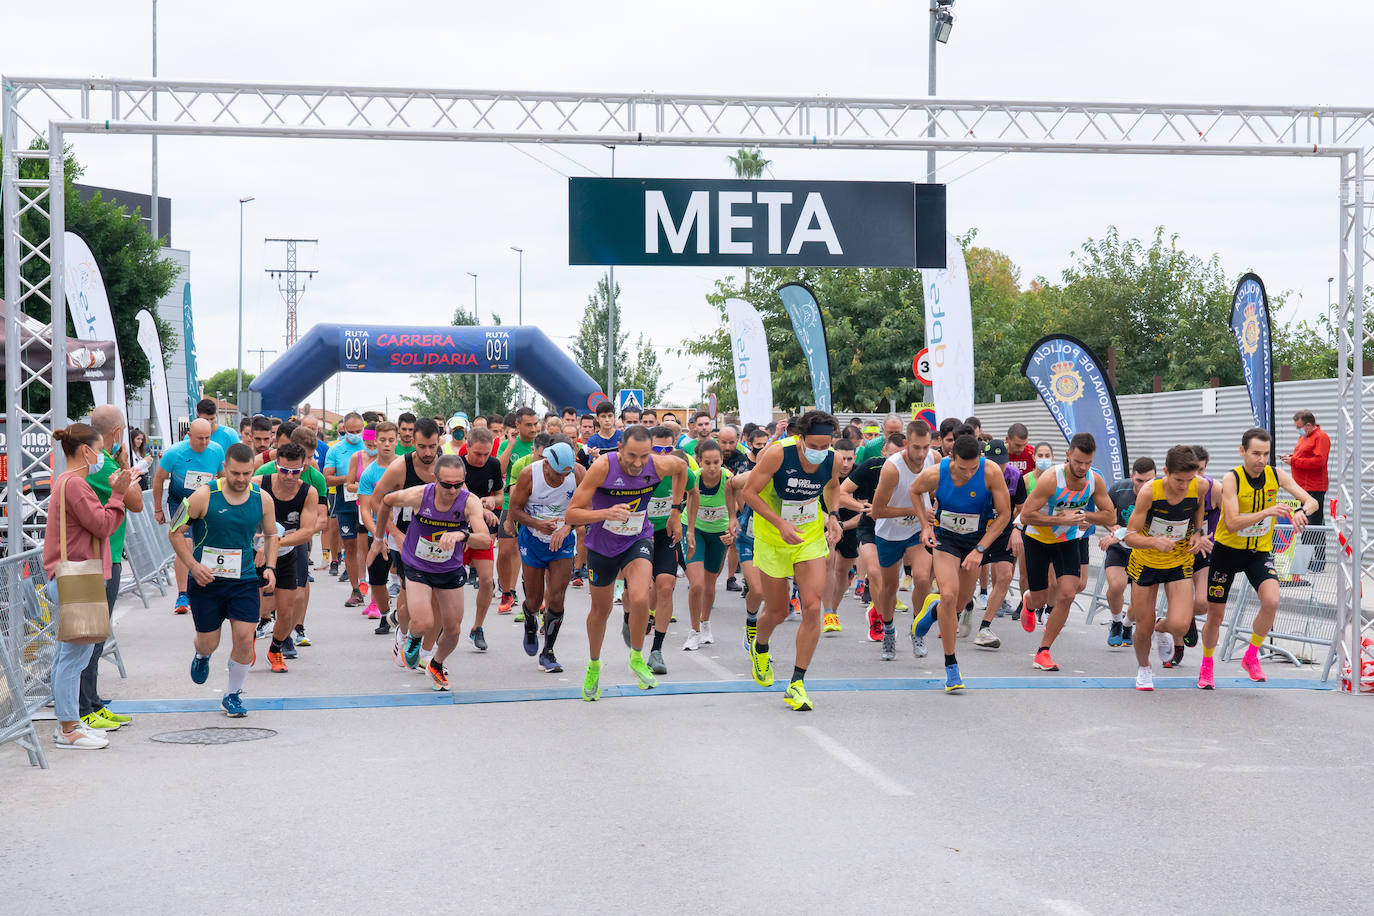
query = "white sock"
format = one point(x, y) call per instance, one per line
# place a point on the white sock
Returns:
point(238, 673)
point(1119, 617)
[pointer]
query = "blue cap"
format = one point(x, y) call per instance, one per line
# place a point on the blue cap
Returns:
point(560, 457)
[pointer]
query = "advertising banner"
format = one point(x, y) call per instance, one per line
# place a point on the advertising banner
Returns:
point(87, 360)
point(188, 345)
point(809, 326)
point(157, 377)
point(753, 374)
point(949, 334)
point(1250, 324)
point(89, 306)
point(437, 349)
point(1078, 394)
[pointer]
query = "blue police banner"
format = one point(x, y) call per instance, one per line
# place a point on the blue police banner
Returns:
point(809, 327)
point(1078, 394)
point(188, 337)
point(1250, 324)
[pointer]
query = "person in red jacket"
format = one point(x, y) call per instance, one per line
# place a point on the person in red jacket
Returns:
point(1308, 461)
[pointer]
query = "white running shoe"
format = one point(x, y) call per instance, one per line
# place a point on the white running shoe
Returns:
point(693, 642)
point(965, 622)
point(1145, 678)
point(80, 738)
point(706, 637)
point(1164, 645)
point(906, 584)
point(918, 646)
point(982, 601)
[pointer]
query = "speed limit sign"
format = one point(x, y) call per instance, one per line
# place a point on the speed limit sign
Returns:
point(920, 366)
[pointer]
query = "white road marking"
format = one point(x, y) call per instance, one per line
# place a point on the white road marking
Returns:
point(854, 762)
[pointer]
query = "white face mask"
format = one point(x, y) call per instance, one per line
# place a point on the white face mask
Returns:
point(1302, 431)
point(95, 468)
point(815, 455)
point(1043, 464)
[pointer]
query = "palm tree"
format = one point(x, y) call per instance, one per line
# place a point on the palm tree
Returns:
point(748, 163)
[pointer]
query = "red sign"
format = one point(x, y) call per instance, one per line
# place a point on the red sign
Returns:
point(920, 366)
point(596, 401)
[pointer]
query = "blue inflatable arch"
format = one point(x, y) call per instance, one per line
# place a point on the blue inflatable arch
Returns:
point(329, 348)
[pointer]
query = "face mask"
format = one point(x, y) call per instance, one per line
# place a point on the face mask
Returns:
point(95, 468)
point(371, 452)
point(1043, 464)
point(816, 455)
point(353, 438)
point(1302, 431)
point(115, 450)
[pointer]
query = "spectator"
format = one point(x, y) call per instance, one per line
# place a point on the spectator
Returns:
point(1308, 460)
point(89, 526)
point(138, 446)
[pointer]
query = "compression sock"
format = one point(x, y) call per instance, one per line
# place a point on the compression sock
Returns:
point(553, 622)
point(658, 640)
point(238, 673)
point(798, 674)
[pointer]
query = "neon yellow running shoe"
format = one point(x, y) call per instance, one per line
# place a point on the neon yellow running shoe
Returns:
point(641, 671)
point(762, 664)
point(106, 713)
point(591, 683)
point(796, 697)
point(95, 720)
point(832, 623)
point(901, 605)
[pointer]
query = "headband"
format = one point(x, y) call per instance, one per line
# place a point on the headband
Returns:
point(821, 429)
point(369, 435)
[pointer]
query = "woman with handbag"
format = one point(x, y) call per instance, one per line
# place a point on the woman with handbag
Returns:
point(76, 556)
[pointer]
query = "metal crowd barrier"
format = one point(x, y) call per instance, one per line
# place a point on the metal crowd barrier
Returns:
point(27, 634)
point(148, 555)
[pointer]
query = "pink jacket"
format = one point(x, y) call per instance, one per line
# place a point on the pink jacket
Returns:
point(85, 517)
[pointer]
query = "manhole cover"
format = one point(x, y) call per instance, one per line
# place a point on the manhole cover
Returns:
point(214, 735)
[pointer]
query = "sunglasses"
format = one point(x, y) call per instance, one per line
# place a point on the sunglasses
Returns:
point(291, 472)
point(449, 486)
point(661, 449)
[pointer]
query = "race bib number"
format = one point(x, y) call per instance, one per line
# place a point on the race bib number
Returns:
point(224, 564)
point(711, 514)
point(1174, 531)
point(909, 521)
point(1258, 530)
point(959, 522)
point(350, 496)
point(799, 512)
point(198, 479)
point(632, 525)
point(432, 551)
point(660, 506)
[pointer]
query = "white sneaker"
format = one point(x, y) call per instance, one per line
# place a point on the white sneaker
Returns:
point(965, 622)
point(906, 584)
point(692, 642)
point(986, 639)
point(80, 739)
point(706, 637)
point(1164, 645)
point(982, 601)
point(918, 646)
point(1145, 678)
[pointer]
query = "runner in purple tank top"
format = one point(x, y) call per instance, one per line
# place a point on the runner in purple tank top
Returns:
point(613, 499)
point(444, 522)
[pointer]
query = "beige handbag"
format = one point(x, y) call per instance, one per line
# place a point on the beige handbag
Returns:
point(83, 614)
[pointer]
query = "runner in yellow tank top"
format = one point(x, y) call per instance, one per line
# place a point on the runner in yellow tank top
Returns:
point(1245, 539)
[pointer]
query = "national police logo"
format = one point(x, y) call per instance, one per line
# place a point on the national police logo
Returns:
point(1066, 382)
point(1250, 331)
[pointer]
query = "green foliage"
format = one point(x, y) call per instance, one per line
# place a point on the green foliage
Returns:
point(448, 393)
point(224, 384)
point(638, 370)
point(644, 372)
point(748, 163)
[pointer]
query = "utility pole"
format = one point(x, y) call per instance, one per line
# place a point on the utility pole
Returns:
point(262, 357)
point(476, 378)
point(941, 24)
point(156, 229)
point(286, 282)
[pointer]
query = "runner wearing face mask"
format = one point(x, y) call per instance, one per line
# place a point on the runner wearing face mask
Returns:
point(336, 468)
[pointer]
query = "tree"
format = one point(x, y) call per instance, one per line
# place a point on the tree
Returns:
point(136, 276)
point(748, 163)
point(645, 371)
point(224, 384)
point(444, 393)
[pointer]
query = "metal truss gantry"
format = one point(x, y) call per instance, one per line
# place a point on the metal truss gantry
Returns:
point(52, 109)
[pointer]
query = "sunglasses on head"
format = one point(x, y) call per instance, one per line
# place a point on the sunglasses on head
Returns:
point(661, 449)
point(290, 472)
point(449, 486)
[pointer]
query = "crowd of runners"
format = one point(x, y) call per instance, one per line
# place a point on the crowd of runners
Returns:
point(417, 512)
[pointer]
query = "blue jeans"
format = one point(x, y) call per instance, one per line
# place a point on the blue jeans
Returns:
point(66, 678)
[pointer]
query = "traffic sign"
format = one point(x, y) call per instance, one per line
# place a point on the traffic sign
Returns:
point(595, 401)
point(920, 366)
point(631, 398)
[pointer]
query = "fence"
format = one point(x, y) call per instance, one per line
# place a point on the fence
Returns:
point(27, 633)
point(147, 552)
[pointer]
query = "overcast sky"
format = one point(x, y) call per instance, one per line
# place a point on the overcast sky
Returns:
point(401, 224)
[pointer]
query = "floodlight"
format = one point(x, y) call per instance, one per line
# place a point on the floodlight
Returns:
point(944, 23)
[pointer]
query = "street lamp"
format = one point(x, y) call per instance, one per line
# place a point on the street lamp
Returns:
point(520, 316)
point(941, 24)
point(238, 385)
point(476, 377)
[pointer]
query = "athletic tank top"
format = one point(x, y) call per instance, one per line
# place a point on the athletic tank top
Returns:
point(630, 490)
point(1212, 503)
point(548, 501)
point(421, 548)
point(1252, 496)
point(288, 511)
point(413, 479)
point(661, 500)
point(223, 539)
point(902, 527)
point(1064, 498)
point(1168, 520)
point(794, 493)
point(712, 514)
point(963, 509)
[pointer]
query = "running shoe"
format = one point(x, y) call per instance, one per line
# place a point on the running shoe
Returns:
point(577, 578)
point(1016, 611)
point(438, 675)
point(953, 681)
point(1164, 645)
point(794, 609)
point(982, 599)
point(303, 640)
point(200, 668)
point(831, 623)
point(334, 568)
point(1044, 662)
point(275, 660)
point(394, 589)
point(731, 584)
point(233, 705)
point(641, 672)
point(548, 662)
point(1190, 638)
point(861, 589)
point(986, 639)
point(692, 642)
point(625, 632)
point(80, 739)
point(1127, 635)
point(875, 625)
point(343, 574)
point(324, 561)
point(382, 629)
point(1204, 675)
point(373, 612)
point(472, 577)
point(531, 641)
point(397, 654)
point(411, 653)
point(1027, 618)
point(288, 649)
point(1004, 610)
point(889, 645)
point(918, 646)
point(95, 720)
point(1144, 679)
point(183, 604)
point(264, 630)
point(1114, 634)
point(507, 603)
point(966, 621)
point(618, 589)
point(113, 716)
point(656, 663)
point(762, 666)
point(1177, 658)
point(796, 698)
point(519, 615)
point(706, 637)
point(479, 639)
point(925, 618)
point(355, 600)
point(591, 681)
point(901, 606)
point(906, 584)
point(1251, 663)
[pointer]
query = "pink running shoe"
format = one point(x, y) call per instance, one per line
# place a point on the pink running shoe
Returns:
point(1251, 664)
point(1027, 617)
point(1204, 676)
point(373, 612)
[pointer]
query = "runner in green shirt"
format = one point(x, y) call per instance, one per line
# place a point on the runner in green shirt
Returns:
point(711, 526)
point(520, 445)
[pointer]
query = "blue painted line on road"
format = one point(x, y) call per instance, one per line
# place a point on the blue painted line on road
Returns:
point(693, 688)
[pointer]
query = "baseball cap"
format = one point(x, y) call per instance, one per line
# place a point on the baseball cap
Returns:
point(560, 457)
point(458, 420)
point(997, 451)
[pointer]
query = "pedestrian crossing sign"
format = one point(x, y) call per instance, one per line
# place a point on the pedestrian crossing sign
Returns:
point(630, 398)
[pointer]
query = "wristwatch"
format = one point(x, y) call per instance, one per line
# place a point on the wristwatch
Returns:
point(980, 548)
point(680, 507)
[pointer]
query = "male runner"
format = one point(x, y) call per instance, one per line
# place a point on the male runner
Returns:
point(524, 427)
point(1167, 525)
point(1245, 544)
point(1001, 556)
point(208, 410)
point(965, 486)
point(1064, 501)
point(183, 469)
point(405, 433)
point(613, 499)
point(294, 504)
point(856, 494)
point(701, 431)
point(226, 571)
point(790, 491)
point(539, 505)
point(336, 464)
point(444, 520)
point(666, 548)
point(840, 565)
point(1117, 556)
point(486, 481)
point(607, 437)
point(897, 539)
point(892, 423)
point(379, 452)
point(712, 523)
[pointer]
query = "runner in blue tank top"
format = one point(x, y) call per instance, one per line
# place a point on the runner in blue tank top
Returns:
point(973, 507)
point(226, 566)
